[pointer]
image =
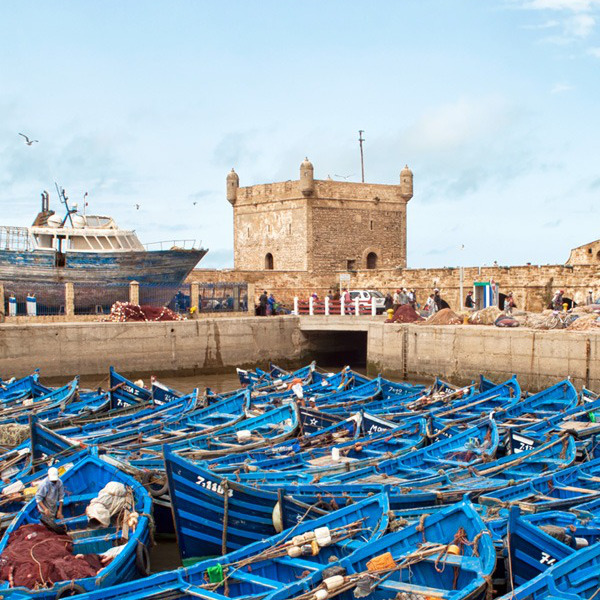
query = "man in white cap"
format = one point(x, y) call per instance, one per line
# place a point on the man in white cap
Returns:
point(50, 495)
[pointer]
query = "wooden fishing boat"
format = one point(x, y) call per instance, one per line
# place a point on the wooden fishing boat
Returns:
point(82, 483)
point(536, 545)
point(264, 566)
point(448, 555)
point(558, 491)
point(576, 577)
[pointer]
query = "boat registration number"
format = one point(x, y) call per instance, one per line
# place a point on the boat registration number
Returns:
point(546, 559)
point(213, 486)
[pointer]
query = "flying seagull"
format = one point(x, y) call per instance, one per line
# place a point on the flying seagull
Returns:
point(346, 177)
point(27, 140)
point(194, 203)
point(137, 206)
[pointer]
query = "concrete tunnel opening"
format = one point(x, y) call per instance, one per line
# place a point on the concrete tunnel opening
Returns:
point(338, 348)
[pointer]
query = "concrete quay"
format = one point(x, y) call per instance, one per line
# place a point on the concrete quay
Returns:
point(202, 345)
point(457, 353)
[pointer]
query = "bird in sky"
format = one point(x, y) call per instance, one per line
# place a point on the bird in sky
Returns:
point(194, 203)
point(346, 177)
point(137, 206)
point(27, 140)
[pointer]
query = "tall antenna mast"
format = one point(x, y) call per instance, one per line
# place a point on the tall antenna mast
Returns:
point(362, 160)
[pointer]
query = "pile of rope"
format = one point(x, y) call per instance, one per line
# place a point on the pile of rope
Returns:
point(126, 311)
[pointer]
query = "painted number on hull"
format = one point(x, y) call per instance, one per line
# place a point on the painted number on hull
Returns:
point(212, 486)
point(376, 429)
point(547, 559)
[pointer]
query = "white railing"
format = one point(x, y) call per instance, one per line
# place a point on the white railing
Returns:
point(334, 307)
point(172, 244)
point(16, 238)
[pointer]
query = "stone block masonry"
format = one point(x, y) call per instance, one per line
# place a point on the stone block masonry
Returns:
point(532, 286)
point(456, 353)
point(204, 345)
point(462, 353)
point(312, 225)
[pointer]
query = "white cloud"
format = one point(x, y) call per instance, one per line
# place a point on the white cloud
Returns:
point(578, 17)
point(559, 88)
point(450, 126)
point(594, 52)
point(572, 5)
point(580, 26)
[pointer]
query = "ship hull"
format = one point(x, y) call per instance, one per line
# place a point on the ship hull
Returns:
point(98, 277)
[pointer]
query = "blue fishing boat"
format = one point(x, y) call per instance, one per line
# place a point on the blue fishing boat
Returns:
point(536, 545)
point(124, 392)
point(576, 577)
point(449, 555)
point(557, 491)
point(24, 387)
point(82, 483)
point(265, 566)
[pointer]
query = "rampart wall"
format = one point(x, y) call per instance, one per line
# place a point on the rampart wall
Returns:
point(532, 286)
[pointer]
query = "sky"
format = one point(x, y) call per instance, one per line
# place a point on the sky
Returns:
point(494, 105)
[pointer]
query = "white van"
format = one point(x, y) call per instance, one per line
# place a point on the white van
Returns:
point(365, 296)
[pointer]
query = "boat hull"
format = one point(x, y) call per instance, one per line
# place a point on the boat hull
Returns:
point(92, 273)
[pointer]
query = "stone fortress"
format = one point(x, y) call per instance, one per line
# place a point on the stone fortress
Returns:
point(319, 226)
point(294, 238)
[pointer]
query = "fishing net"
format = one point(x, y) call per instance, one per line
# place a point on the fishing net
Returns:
point(405, 314)
point(126, 311)
point(37, 557)
point(12, 434)
point(485, 316)
point(586, 322)
point(446, 316)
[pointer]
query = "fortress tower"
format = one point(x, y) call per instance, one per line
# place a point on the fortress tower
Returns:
point(319, 225)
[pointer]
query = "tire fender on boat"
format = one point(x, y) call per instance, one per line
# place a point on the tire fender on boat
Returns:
point(149, 477)
point(142, 559)
point(69, 589)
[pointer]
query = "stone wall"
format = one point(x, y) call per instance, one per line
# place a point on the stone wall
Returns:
point(456, 353)
point(279, 228)
point(462, 353)
point(531, 285)
point(588, 254)
point(320, 230)
point(67, 349)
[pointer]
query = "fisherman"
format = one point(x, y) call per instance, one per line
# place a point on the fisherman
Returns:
point(412, 298)
point(590, 298)
point(557, 301)
point(437, 299)
point(509, 303)
point(469, 302)
point(403, 297)
point(388, 302)
point(262, 304)
point(50, 495)
point(430, 307)
point(347, 299)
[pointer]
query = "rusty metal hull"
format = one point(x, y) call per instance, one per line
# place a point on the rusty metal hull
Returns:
point(94, 274)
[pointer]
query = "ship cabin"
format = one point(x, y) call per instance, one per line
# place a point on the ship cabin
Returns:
point(84, 233)
point(89, 233)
